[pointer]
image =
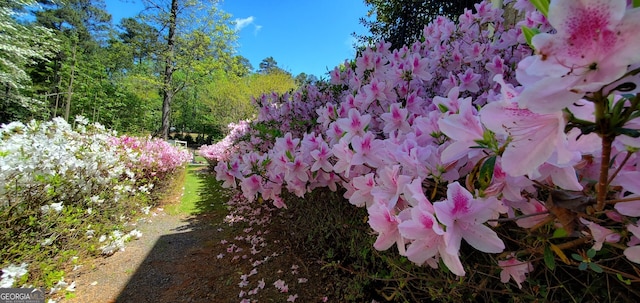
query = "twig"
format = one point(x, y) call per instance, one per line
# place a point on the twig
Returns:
point(613, 176)
point(631, 199)
point(520, 217)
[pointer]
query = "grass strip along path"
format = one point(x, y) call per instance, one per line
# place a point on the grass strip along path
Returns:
point(205, 245)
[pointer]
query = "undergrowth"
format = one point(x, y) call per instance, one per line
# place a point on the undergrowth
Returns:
point(326, 228)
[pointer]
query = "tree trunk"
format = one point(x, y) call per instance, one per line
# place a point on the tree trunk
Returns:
point(167, 88)
point(70, 88)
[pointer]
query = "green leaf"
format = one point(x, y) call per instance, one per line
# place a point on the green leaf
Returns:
point(542, 6)
point(591, 253)
point(583, 266)
point(549, 259)
point(595, 267)
point(634, 133)
point(636, 3)
point(443, 108)
point(577, 257)
point(529, 33)
point(486, 172)
point(289, 155)
point(623, 280)
point(559, 233)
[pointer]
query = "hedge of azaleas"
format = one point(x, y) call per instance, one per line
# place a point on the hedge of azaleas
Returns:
point(51, 162)
point(58, 181)
point(477, 129)
point(153, 159)
point(223, 149)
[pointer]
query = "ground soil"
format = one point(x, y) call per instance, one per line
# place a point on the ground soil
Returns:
point(218, 256)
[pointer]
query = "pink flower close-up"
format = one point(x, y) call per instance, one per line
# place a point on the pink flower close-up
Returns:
point(595, 42)
point(464, 218)
point(512, 268)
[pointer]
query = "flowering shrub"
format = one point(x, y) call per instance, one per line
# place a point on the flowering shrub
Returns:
point(520, 141)
point(154, 159)
point(222, 150)
point(62, 186)
point(50, 162)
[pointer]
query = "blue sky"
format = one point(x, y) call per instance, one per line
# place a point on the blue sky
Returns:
point(302, 36)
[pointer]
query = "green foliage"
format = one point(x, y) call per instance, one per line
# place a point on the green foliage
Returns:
point(226, 98)
point(401, 22)
point(21, 45)
point(542, 6)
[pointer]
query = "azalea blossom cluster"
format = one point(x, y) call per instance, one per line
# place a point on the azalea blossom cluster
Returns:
point(223, 149)
point(475, 125)
point(153, 158)
point(52, 162)
point(57, 178)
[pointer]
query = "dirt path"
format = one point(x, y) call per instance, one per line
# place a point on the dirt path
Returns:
point(235, 255)
point(170, 255)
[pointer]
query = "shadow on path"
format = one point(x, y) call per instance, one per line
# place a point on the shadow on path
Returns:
point(181, 266)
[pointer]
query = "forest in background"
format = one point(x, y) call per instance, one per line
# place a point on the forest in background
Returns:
point(67, 58)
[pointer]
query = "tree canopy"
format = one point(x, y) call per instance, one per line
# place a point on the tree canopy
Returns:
point(69, 59)
point(401, 22)
point(21, 45)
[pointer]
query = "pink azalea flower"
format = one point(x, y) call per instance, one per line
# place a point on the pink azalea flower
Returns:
point(631, 209)
point(362, 185)
point(296, 170)
point(251, 186)
point(464, 129)
point(515, 269)
point(464, 217)
point(376, 90)
point(292, 298)
point(395, 119)
point(321, 158)
point(334, 133)
point(286, 143)
point(223, 173)
point(469, 81)
point(596, 41)
point(633, 251)
point(367, 150)
point(281, 285)
point(354, 124)
point(534, 137)
point(413, 193)
point(530, 207)
point(344, 154)
point(510, 187)
point(390, 184)
point(600, 234)
point(451, 103)
point(419, 67)
point(385, 224)
point(425, 231)
point(562, 176)
point(279, 202)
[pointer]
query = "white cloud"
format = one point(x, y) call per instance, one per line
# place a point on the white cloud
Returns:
point(242, 23)
point(256, 29)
